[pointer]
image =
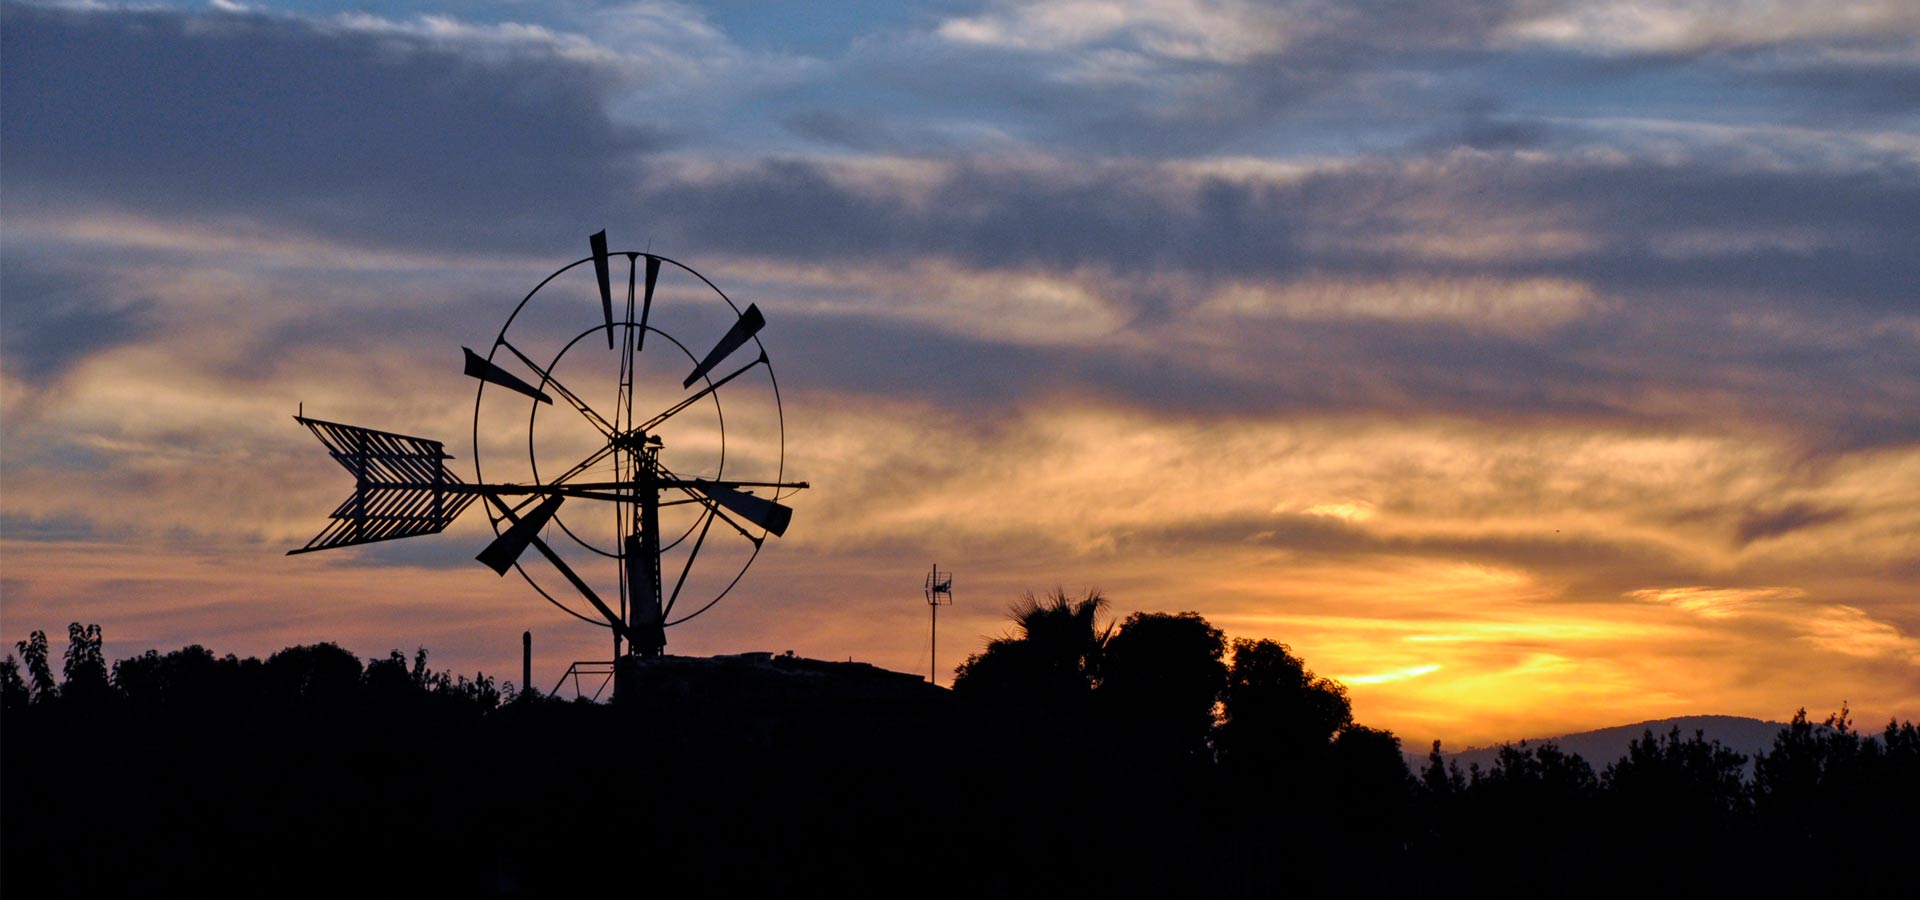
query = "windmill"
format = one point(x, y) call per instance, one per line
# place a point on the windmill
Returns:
point(939, 593)
point(646, 462)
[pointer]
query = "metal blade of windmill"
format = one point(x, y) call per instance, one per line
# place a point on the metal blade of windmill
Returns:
point(743, 330)
point(684, 486)
point(486, 371)
point(646, 302)
point(772, 516)
point(580, 585)
point(599, 242)
point(506, 549)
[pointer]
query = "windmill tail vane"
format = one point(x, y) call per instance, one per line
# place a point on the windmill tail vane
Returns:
point(402, 486)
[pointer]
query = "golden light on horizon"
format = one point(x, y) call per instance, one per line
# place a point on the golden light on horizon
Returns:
point(1456, 598)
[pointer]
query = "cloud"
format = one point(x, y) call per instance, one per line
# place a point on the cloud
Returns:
point(1835, 628)
point(433, 135)
point(1717, 603)
point(57, 316)
point(1519, 306)
point(1200, 77)
point(1185, 30)
point(1760, 524)
point(1612, 223)
point(1676, 26)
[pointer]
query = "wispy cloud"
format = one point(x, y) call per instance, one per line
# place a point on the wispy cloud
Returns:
point(1677, 26)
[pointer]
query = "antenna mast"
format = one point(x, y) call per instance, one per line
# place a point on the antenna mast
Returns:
point(939, 593)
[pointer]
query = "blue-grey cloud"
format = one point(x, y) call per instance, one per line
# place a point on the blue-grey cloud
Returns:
point(1760, 524)
point(289, 123)
point(47, 528)
point(421, 145)
point(56, 316)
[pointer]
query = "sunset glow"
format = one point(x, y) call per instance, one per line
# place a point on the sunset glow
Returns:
point(1527, 371)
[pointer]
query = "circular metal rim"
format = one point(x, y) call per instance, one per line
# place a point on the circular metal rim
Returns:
point(773, 380)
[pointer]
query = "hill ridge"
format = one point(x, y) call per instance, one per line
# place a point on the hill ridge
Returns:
point(1601, 746)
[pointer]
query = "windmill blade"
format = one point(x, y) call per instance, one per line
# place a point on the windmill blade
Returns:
point(774, 517)
point(484, 369)
point(599, 242)
point(533, 539)
point(646, 303)
point(743, 330)
point(506, 549)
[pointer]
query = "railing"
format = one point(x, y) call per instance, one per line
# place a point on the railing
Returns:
point(589, 669)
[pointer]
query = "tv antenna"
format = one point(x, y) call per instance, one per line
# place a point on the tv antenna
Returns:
point(939, 593)
point(639, 438)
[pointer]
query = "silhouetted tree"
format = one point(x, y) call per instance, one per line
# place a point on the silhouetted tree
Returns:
point(1442, 792)
point(480, 691)
point(1892, 774)
point(1276, 712)
point(1815, 790)
point(388, 680)
point(1441, 777)
point(1370, 784)
point(1788, 779)
point(190, 679)
point(1540, 775)
point(316, 675)
point(84, 670)
point(13, 690)
point(33, 653)
point(1052, 659)
point(1160, 677)
point(832, 793)
point(1676, 803)
point(1684, 784)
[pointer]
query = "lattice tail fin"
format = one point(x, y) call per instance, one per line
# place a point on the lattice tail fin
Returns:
point(402, 486)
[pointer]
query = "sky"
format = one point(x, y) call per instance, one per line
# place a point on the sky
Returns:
point(1527, 366)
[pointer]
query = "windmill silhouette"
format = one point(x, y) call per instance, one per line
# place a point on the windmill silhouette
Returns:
point(607, 456)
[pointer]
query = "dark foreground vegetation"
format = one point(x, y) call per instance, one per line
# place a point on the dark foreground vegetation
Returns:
point(1151, 758)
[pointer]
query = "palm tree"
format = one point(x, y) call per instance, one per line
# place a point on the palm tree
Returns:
point(1053, 654)
point(1065, 633)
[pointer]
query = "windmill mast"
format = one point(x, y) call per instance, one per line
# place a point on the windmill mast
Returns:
point(643, 556)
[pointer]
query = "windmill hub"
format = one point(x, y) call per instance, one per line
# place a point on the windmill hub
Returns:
point(637, 442)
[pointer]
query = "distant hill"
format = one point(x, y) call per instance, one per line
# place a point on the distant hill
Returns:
point(1598, 748)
